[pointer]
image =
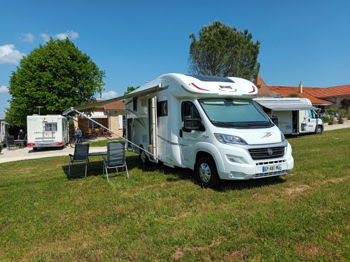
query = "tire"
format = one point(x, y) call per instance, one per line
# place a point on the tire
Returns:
point(143, 158)
point(35, 148)
point(206, 172)
point(318, 130)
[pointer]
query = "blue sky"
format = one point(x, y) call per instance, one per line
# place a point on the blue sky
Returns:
point(135, 41)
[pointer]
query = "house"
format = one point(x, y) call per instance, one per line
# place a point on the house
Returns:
point(338, 96)
point(110, 115)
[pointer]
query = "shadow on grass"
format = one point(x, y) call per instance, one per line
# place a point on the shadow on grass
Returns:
point(227, 185)
point(95, 168)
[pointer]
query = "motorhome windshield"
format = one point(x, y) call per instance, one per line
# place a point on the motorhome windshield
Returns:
point(224, 112)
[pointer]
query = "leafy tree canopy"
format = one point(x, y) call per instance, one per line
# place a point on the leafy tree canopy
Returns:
point(130, 89)
point(223, 51)
point(56, 76)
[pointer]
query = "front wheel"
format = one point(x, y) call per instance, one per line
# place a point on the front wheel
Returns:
point(206, 172)
point(318, 130)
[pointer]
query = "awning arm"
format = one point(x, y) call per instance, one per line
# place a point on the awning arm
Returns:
point(81, 114)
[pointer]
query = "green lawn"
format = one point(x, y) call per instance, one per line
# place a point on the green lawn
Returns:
point(161, 215)
point(103, 142)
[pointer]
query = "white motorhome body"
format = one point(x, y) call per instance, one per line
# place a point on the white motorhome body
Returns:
point(3, 131)
point(294, 115)
point(47, 131)
point(208, 124)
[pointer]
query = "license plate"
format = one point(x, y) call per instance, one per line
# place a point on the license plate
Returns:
point(273, 168)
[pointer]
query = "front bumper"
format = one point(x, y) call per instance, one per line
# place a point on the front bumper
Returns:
point(239, 165)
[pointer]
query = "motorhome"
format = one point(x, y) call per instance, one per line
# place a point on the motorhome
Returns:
point(47, 131)
point(293, 116)
point(211, 125)
point(3, 131)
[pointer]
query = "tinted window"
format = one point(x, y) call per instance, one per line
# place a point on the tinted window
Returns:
point(162, 108)
point(189, 110)
point(134, 103)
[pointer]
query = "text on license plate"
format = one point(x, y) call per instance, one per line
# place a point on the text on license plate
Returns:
point(271, 168)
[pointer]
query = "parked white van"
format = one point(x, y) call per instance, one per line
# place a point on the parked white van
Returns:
point(3, 131)
point(293, 116)
point(208, 124)
point(47, 131)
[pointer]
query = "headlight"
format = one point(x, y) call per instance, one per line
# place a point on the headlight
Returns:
point(228, 139)
point(282, 137)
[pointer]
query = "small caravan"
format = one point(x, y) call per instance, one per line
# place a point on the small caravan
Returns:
point(211, 125)
point(47, 131)
point(3, 131)
point(293, 116)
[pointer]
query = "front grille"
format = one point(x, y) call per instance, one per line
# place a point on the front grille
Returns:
point(266, 153)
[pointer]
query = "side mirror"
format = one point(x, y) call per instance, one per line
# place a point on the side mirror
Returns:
point(274, 119)
point(193, 124)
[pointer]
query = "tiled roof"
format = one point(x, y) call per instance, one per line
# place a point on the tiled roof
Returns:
point(330, 91)
point(294, 90)
point(315, 94)
point(115, 105)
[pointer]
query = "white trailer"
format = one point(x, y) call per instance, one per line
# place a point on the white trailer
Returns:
point(3, 131)
point(47, 131)
point(208, 124)
point(293, 116)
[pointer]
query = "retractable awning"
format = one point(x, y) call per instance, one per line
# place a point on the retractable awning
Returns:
point(142, 91)
point(284, 104)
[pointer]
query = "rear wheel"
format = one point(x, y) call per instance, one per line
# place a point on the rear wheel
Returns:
point(143, 158)
point(206, 172)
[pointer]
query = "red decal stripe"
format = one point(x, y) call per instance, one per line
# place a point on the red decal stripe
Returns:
point(199, 87)
point(252, 90)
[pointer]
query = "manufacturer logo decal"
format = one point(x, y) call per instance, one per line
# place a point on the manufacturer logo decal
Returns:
point(270, 151)
point(267, 134)
point(227, 88)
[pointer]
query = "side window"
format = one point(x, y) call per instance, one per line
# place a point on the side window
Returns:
point(189, 110)
point(134, 104)
point(162, 108)
point(50, 126)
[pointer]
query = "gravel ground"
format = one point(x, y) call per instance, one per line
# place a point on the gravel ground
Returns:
point(29, 153)
point(337, 126)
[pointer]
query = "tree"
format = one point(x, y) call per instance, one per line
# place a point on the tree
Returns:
point(130, 89)
point(55, 76)
point(223, 51)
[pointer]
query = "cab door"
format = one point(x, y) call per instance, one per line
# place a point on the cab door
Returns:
point(310, 121)
point(188, 137)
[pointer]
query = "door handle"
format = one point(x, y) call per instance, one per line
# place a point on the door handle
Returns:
point(180, 132)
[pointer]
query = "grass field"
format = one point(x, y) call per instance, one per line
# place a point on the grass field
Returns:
point(162, 215)
point(102, 142)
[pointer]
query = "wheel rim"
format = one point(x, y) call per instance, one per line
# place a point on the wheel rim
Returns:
point(204, 172)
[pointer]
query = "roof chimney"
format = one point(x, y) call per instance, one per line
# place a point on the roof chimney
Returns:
point(300, 87)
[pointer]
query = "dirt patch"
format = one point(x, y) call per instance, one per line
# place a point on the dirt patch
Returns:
point(297, 190)
point(309, 250)
point(180, 253)
point(237, 255)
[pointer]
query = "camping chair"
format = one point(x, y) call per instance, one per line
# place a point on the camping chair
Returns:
point(10, 142)
point(115, 157)
point(81, 154)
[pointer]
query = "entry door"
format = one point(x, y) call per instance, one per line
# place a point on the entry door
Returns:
point(152, 126)
point(129, 132)
point(189, 138)
point(310, 121)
